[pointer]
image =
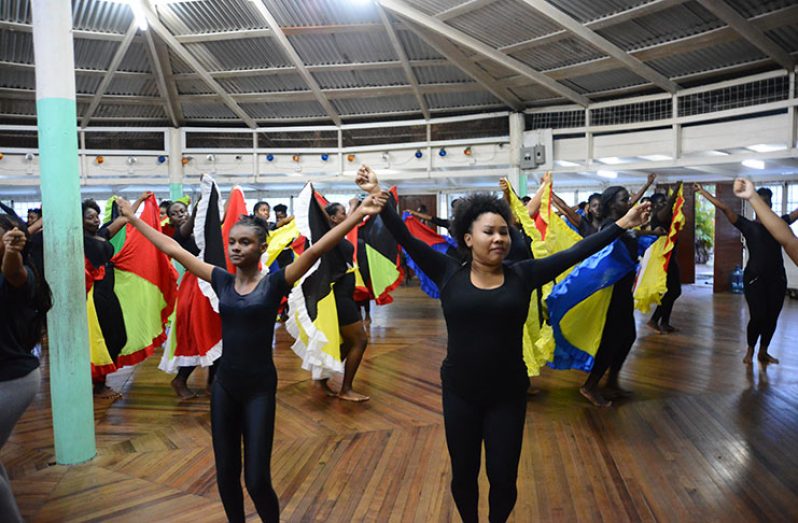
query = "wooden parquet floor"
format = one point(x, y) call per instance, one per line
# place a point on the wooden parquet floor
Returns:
point(703, 438)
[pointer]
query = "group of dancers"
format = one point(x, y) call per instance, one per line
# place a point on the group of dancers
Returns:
point(488, 279)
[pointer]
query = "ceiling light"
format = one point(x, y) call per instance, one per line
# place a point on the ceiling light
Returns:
point(611, 160)
point(607, 174)
point(716, 153)
point(656, 157)
point(566, 163)
point(754, 164)
point(765, 148)
point(138, 14)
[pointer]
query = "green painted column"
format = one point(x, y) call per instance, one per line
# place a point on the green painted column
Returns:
point(175, 164)
point(523, 181)
point(70, 374)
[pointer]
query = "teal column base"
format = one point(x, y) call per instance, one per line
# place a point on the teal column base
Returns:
point(523, 180)
point(175, 191)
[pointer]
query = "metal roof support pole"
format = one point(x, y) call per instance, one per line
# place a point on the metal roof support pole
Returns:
point(517, 180)
point(677, 129)
point(56, 109)
point(255, 162)
point(792, 133)
point(175, 164)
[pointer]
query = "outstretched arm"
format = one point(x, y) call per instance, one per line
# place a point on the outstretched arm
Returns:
point(533, 206)
point(774, 224)
point(665, 214)
point(566, 209)
point(13, 267)
point(432, 262)
point(166, 244)
point(730, 215)
point(639, 194)
point(372, 205)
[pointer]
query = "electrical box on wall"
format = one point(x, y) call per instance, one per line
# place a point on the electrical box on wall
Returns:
point(537, 150)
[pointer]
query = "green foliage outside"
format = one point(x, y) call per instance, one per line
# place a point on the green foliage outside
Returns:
point(704, 227)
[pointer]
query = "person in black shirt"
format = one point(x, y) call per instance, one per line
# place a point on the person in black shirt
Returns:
point(485, 304)
point(353, 332)
point(24, 301)
point(661, 217)
point(764, 278)
point(777, 227)
point(243, 393)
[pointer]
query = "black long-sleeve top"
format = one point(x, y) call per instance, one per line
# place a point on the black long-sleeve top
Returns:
point(485, 326)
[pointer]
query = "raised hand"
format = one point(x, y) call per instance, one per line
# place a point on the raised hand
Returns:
point(373, 204)
point(366, 179)
point(546, 178)
point(697, 187)
point(14, 240)
point(651, 178)
point(744, 188)
point(125, 209)
point(504, 185)
point(637, 216)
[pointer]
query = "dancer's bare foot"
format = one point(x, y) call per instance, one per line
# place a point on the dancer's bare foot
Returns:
point(594, 397)
point(749, 356)
point(324, 386)
point(654, 325)
point(181, 389)
point(766, 358)
point(351, 395)
point(532, 391)
point(103, 391)
point(668, 328)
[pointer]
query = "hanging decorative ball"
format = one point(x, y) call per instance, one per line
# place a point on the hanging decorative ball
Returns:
point(270, 157)
point(238, 157)
point(351, 158)
point(419, 154)
point(296, 158)
point(2, 156)
point(131, 160)
point(100, 160)
point(185, 160)
point(467, 151)
point(29, 157)
point(325, 157)
point(162, 159)
point(210, 158)
point(442, 152)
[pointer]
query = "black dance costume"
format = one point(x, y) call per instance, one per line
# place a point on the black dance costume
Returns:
point(764, 280)
point(483, 376)
point(344, 289)
point(243, 393)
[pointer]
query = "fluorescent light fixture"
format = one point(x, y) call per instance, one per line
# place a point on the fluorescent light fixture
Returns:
point(716, 153)
point(611, 160)
point(656, 157)
point(566, 163)
point(766, 147)
point(607, 174)
point(754, 164)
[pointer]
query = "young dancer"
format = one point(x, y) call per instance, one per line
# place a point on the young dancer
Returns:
point(243, 392)
point(485, 303)
point(775, 225)
point(661, 216)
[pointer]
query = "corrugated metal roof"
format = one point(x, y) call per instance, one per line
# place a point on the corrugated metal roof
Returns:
point(17, 107)
point(309, 109)
point(749, 8)
point(416, 48)
point(670, 24)
point(453, 100)
point(205, 110)
point(532, 92)
point(558, 54)
point(208, 16)
point(16, 46)
point(108, 17)
point(192, 86)
point(94, 54)
point(137, 59)
point(368, 78)
point(433, 7)
point(706, 59)
point(249, 53)
point(376, 104)
point(137, 86)
point(18, 78)
point(16, 11)
point(177, 64)
point(87, 83)
point(315, 49)
point(440, 75)
point(129, 111)
point(503, 23)
point(593, 9)
point(614, 79)
point(264, 84)
point(786, 37)
point(290, 13)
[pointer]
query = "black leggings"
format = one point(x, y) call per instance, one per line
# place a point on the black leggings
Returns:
point(500, 424)
point(663, 311)
point(236, 413)
point(185, 372)
point(765, 297)
point(616, 341)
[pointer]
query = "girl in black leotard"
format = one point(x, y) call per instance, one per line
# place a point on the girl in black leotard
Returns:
point(485, 304)
point(764, 278)
point(243, 392)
